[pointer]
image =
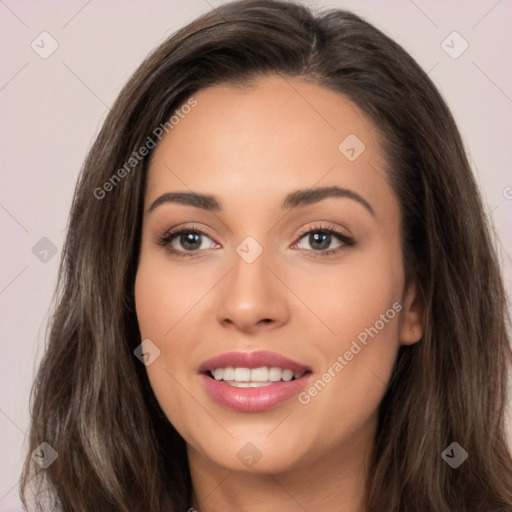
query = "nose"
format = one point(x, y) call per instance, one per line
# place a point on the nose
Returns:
point(252, 297)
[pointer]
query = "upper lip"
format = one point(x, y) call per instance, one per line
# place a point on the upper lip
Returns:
point(252, 360)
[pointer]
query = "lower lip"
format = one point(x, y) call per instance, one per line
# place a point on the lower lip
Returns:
point(253, 399)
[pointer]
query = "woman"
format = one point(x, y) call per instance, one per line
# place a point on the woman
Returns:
point(206, 354)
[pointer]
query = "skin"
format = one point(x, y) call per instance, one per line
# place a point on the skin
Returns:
point(249, 148)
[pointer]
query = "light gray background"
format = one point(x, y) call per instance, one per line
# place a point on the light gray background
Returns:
point(51, 110)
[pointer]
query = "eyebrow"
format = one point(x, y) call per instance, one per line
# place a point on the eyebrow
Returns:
point(292, 200)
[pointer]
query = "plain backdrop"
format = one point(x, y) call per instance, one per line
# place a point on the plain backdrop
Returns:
point(52, 109)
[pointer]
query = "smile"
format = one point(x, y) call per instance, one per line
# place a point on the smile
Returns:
point(252, 382)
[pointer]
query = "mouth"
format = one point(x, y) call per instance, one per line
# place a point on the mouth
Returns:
point(253, 381)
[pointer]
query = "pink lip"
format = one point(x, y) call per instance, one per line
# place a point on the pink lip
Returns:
point(251, 360)
point(253, 399)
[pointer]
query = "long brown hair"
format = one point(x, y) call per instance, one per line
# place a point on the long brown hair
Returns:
point(92, 401)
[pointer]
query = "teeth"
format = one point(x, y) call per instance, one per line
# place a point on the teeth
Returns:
point(275, 374)
point(228, 374)
point(242, 374)
point(254, 378)
point(259, 374)
point(218, 373)
point(287, 375)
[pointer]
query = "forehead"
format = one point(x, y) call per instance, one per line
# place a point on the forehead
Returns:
point(262, 141)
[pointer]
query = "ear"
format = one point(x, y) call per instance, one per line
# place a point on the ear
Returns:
point(412, 320)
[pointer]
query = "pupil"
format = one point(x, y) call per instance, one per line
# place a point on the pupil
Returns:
point(189, 239)
point(314, 238)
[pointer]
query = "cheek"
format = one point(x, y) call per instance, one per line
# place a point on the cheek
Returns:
point(155, 302)
point(169, 302)
point(353, 296)
point(165, 294)
point(162, 300)
point(360, 304)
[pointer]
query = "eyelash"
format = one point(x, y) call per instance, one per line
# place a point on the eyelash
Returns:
point(166, 239)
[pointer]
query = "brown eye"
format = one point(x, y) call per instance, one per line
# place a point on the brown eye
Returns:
point(321, 239)
point(189, 241)
point(185, 240)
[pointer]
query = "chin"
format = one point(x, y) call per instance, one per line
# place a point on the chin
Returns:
point(258, 456)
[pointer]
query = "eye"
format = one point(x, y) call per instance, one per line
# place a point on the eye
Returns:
point(185, 240)
point(320, 239)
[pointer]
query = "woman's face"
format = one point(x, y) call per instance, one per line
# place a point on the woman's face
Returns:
point(266, 284)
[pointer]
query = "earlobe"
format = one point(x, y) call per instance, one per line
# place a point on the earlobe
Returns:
point(413, 315)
